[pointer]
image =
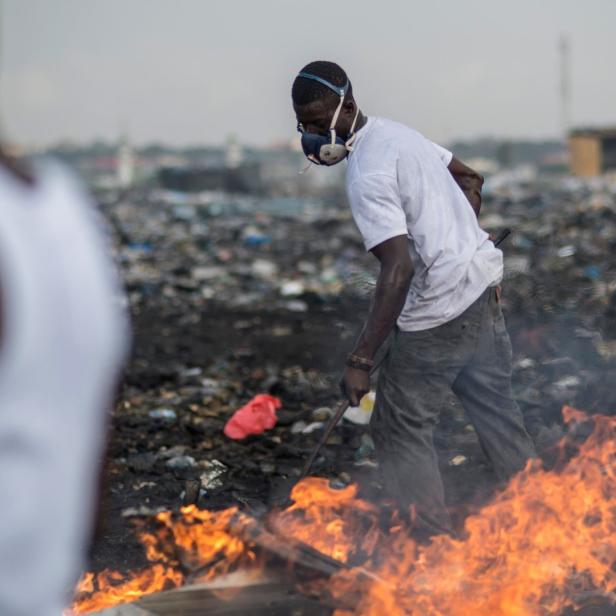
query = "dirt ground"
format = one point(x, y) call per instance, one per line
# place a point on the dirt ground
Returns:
point(236, 347)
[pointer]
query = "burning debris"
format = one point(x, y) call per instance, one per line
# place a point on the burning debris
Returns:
point(545, 543)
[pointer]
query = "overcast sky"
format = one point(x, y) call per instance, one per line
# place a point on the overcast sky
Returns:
point(196, 71)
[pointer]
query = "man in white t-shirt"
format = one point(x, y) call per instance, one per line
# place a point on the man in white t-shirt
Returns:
point(416, 207)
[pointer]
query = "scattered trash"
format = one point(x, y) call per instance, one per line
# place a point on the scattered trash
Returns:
point(164, 414)
point(323, 413)
point(140, 485)
point(211, 478)
point(457, 460)
point(267, 468)
point(296, 305)
point(190, 372)
point(264, 269)
point(298, 427)
point(566, 251)
point(311, 427)
point(142, 462)
point(361, 414)
point(291, 288)
point(180, 463)
point(568, 382)
point(254, 417)
point(141, 511)
point(209, 387)
point(254, 237)
point(593, 272)
point(364, 454)
point(525, 363)
point(171, 452)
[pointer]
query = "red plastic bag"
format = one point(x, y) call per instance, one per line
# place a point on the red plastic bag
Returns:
point(254, 417)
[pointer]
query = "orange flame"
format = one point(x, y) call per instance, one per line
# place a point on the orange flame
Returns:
point(114, 588)
point(546, 542)
point(196, 540)
point(335, 522)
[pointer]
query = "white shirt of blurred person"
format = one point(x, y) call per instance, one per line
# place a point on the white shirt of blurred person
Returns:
point(63, 341)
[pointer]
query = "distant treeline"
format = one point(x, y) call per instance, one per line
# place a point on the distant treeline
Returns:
point(508, 152)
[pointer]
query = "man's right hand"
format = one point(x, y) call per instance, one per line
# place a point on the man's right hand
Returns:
point(354, 384)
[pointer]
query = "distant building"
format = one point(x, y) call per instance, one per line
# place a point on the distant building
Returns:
point(125, 166)
point(234, 153)
point(592, 151)
point(245, 178)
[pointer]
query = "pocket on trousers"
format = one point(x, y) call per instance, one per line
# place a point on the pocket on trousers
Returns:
point(412, 347)
point(435, 347)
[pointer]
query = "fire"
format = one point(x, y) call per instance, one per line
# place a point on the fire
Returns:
point(335, 522)
point(546, 542)
point(195, 540)
point(198, 545)
point(112, 588)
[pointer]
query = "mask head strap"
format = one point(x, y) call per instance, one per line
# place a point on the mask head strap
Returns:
point(352, 135)
point(339, 90)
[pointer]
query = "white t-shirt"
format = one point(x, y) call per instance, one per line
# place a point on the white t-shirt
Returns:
point(398, 184)
point(64, 338)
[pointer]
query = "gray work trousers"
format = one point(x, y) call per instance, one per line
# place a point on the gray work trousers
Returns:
point(470, 355)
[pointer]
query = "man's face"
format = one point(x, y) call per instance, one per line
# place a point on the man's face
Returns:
point(316, 117)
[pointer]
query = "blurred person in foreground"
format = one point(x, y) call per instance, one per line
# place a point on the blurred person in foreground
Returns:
point(63, 341)
point(416, 207)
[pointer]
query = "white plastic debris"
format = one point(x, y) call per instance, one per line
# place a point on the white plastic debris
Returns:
point(291, 288)
point(360, 415)
point(188, 373)
point(142, 510)
point(296, 305)
point(164, 414)
point(211, 477)
point(262, 268)
point(209, 386)
point(298, 427)
point(180, 463)
point(311, 427)
point(208, 272)
point(568, 382)
point(457, 460)
point(566, 251)
point(525, 363)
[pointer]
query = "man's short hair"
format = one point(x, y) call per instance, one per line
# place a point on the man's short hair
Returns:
point(306, 91)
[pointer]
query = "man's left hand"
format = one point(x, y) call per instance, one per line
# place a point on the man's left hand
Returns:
point(354, 384)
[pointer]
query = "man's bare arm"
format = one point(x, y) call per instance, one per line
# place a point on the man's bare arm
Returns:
point(390, 294)
point(469, 181)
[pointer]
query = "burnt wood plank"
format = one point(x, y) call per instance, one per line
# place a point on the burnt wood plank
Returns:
point(269, 599)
